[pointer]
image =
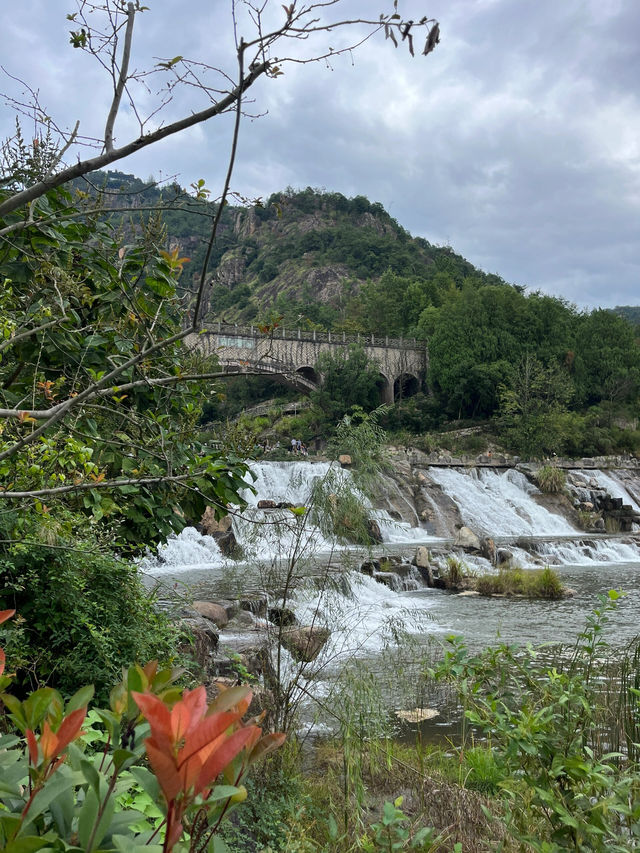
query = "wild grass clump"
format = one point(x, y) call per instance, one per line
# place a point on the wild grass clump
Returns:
point(455, 573)
point(538, 583)
point(551, 480)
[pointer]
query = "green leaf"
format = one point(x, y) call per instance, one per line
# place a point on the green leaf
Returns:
point(91, 775)
point(81, 698)
point(88, 817)
point(27, 845)
point(126, 844)
point(62, 811)
point(62, 779)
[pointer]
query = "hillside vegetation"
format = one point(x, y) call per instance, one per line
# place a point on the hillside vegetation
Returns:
point(547, 377)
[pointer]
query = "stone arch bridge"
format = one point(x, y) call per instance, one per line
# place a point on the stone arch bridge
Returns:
point(291, 355)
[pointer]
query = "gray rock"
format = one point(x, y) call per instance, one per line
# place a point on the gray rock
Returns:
point(467, 539)
point(211, 526)
point(216, 613)
point(373, 529)
point(205, 640)
point(421, 557)
point(369, 567)
point(282, 616)
point(256, 604)
point(305, 642)
point(503, 555)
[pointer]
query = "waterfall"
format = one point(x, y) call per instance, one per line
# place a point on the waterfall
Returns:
point(499, 503)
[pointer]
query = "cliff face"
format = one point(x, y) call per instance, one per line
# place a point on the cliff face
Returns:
point(303, 255)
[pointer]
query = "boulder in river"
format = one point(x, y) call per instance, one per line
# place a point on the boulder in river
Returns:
point(468, 540)
point(282, 616)
point(305, 642)
point(503, 555)
point(211, 526)
point(373, 529)
point(421, 558)
point(212, 611)
point(205, 640)
point(488, 550)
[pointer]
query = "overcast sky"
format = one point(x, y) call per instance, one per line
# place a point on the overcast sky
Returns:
point(517, 142)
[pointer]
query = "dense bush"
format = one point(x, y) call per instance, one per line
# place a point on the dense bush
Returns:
point(551, 480)
point(83, 614)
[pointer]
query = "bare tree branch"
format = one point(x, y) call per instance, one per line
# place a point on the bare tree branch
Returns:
point(27, 195)
point(122, 79)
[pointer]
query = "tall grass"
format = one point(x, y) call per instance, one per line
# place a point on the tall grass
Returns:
point(551, 480)
point(537, 583)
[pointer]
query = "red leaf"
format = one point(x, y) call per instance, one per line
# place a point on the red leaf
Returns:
point(208, 729)
point(70, 728)
point(156, 712)
point(33, 747)
point(223, 756)
point(165, 769)
point(3, 660)
point(6, 614)
point(266, 745)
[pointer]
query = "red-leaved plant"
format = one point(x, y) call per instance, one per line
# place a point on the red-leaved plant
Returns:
point(52, 788)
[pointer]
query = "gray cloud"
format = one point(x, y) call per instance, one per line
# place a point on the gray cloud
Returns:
point(517, 141)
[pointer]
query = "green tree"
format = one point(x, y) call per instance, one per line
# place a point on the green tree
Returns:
point(348, 379)
point(607, 358)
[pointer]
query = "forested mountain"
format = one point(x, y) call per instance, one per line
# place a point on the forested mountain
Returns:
point(629, 312)
point(317, 259)
point(548, 376)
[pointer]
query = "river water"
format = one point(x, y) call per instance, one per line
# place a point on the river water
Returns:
point(366, 618)
point(497, 503)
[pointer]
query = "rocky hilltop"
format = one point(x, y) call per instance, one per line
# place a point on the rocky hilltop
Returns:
point(303, 255)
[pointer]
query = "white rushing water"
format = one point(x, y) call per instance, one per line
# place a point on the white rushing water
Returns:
point(274, 534)
point(364, 616)
point(611, 482)
point(499, 503)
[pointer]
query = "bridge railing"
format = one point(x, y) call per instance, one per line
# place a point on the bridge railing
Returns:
point(280, 333)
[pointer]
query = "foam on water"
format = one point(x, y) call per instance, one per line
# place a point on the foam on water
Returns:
point(499, 503)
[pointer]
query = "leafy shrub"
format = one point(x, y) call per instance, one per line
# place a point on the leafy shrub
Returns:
point(551, 480)
point(481, 769)
point(455, 573)
point(563, 788)
point(83, 614)
point(533, 583)
point(544, 584)
point(55, 794)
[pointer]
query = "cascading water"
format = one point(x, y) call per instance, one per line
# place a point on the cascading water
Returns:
point(500, 504)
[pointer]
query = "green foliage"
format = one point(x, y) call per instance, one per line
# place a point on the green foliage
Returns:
point(360, 436)
point(83, 613)
point(562, 789)
point(391, 833)
point(67, 789)
point(551, 480)
point(348, 379)
point(79, 303)
point(455, 572)
point(532, 583)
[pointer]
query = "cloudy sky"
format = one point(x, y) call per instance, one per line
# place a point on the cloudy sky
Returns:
point(517, 142)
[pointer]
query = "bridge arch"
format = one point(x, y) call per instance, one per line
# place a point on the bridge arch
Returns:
point(406, 385)
point(310, 374)
point(385, 387)
point(292, 355)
